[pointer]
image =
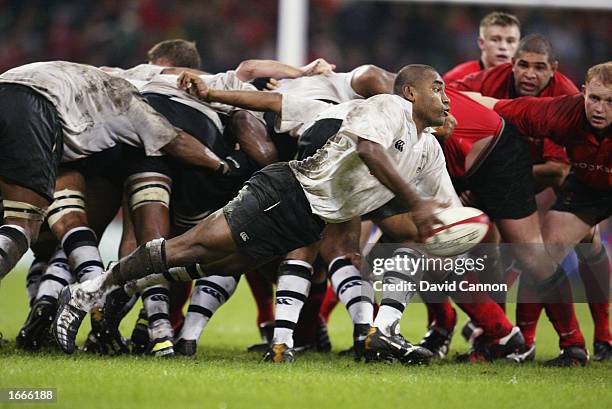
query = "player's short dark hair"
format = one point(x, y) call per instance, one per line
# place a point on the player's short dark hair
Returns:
point(603, 72)
point(180, 53)
point(499, 18)
point(410, 74)
point(538, 44)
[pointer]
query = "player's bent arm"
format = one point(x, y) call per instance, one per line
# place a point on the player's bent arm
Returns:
point(376, 159)
point(251, 69)
point(550, 174)
point(489, 102)
point(189, 150)
point(251, 100)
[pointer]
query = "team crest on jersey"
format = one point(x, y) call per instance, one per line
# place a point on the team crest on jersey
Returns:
point(399, 145)
point(245, 237)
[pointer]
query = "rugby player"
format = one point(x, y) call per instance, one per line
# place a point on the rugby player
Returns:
point(276, 213)
point(581, 123)
point(498, 37)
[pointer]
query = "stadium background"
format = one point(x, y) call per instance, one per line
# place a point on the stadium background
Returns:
point(348, 33)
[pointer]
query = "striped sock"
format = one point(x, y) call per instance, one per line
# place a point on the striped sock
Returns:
point(156, 303)
point(81, 246)
point(356, 294)
point(208, 295)
point(291, 292)
point(57, 276)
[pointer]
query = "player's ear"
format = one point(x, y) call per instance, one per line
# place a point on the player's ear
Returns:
point(481, 43)
point(555, 65)
point(408, 92)
point(583, 89)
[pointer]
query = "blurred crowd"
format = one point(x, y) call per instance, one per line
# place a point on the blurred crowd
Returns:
point(349, 33)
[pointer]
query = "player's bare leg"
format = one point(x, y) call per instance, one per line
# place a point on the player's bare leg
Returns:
point(210, 244)
point(562, 231)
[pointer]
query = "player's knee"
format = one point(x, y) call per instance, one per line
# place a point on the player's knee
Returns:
point(251, 134)
point(66, 212)
point(24, 215)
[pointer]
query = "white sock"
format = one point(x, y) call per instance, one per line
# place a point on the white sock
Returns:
point(291, 293)
point(208, 295)
point(356, 294)
point(57, 276)
point(81, 246)
point(156, 301)
point(37, 269)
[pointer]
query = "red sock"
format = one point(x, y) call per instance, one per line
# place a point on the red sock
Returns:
point(595, 275)
point(559, 307)
point(329, 303)
point(563, 318)
point(528, 310)
point(441, 315)
point(264, 297)
point(179, 295)
point(483, 311)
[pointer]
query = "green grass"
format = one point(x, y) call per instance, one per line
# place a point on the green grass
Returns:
point(224, 376)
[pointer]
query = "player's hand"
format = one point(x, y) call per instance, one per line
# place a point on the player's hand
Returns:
point(424, 217)
point(467, 198)
point(271, 85)
point(446, 131)
point(318, 66)
point(265, 83)
point(193, 85)
point(235, 166)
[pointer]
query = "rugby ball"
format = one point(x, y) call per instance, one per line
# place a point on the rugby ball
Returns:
point(462, 229)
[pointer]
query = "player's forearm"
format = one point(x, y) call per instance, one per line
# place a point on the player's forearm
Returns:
point(251, 100)
point(549, 174)
point(179, 70)
point(189, 150)
point(251, 69)
point(381, 167)
point(489, 102)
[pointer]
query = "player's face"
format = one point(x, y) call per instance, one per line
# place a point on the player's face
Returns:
point(498, 44)
point(431, 103)
point(532, 73)
point(598, 104)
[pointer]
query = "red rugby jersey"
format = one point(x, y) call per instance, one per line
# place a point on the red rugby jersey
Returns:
point(474, 122)
point(462, 70)
point(498, 82)
point(563, 119)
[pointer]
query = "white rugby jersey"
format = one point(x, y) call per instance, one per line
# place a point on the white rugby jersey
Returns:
point(338, 184)
point(335, 87)
point(142, 72)
point(96, 110)
point(166, 84)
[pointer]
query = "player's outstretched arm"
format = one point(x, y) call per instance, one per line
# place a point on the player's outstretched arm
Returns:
point(251, 100)
point(376, 159)
point(250, 69)
point(189, 150)
point(489, 102)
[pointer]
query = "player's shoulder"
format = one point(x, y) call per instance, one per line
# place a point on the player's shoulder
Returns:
point(563, 85)
point(461, 70)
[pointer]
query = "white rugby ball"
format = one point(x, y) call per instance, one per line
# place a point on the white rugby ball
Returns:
point(463, 228)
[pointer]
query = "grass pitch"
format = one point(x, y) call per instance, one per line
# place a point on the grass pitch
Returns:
point(224, 376)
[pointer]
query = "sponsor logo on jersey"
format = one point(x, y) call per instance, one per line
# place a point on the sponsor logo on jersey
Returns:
point(399, 145)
